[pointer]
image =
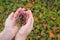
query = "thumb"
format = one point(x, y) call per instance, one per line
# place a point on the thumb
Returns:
point(11, 15)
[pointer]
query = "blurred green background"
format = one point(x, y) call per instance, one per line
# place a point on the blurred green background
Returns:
point(46, 15)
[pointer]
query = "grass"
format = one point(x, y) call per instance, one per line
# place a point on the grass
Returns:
point(46, 15)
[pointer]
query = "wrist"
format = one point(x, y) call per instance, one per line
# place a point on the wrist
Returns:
point(20, 37)
point(6, 35)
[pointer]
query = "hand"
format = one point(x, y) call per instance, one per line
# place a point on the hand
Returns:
point(25, 29)
point(10, 29)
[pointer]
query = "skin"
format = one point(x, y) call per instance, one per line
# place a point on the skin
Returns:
point(11, 29)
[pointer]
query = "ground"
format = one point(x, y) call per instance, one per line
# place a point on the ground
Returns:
point(46, 15)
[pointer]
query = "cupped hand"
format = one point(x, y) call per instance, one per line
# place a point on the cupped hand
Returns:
point(10, 29)
point(27, 28)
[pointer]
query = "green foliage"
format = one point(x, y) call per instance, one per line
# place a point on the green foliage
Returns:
point(41, 9)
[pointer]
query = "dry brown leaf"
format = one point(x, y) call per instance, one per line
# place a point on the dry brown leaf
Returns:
point(44, 25)
point(35, 18)
point(54, 28)
point(31, 5)
point(59, 37)
point(52, 35)
point(53, 18)
point(41, 21)
point(33, 2)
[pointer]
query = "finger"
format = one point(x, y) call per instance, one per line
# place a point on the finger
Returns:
point(17, 12)
point(29, 12)
point(29, 28)
point(28, 22)
point(30, 16)
point(11, 15)
point(23, 9)
point(30, 25)
point(32, 21)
